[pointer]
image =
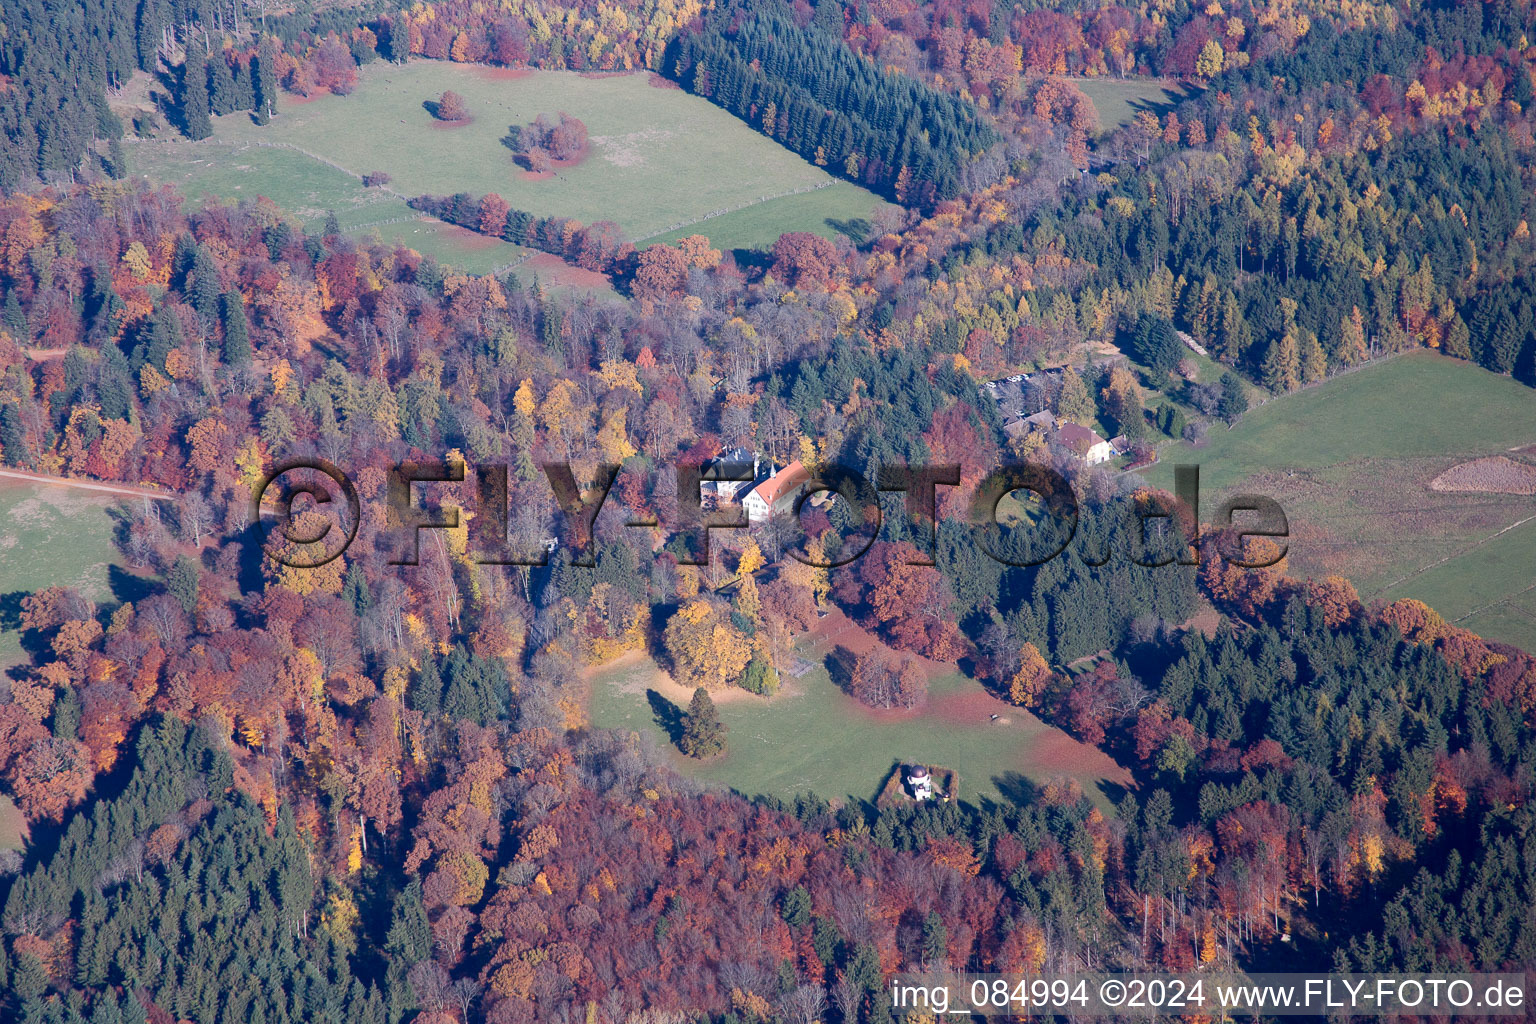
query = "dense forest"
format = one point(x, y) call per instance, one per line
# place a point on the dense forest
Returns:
point(809, 91)
point(370, 791)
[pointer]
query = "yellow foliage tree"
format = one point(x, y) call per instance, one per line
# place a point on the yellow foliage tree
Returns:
point(706, 649)
point(1029, 681)
point(618, 374)
point(137, 260)
point(523, 400)
point(751, 558)
point(339, 919)
point(612, 440)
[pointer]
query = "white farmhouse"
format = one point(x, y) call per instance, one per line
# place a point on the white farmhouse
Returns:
point(1085, 443)
point(776, 495)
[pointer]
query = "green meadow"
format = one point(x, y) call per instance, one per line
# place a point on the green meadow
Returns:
point(1119, 100)
point(812, 736)
point(50, 536)
point(660, 163)
point(1350, 461)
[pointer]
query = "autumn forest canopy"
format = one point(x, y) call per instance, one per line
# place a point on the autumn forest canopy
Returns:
point(245, 789)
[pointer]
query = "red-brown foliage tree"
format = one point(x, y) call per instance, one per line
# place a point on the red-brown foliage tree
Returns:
point(451, 107)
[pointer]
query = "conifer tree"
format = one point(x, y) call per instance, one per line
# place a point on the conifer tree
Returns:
point(221, 85)
point(237, 337)
point(266, 81)
point(14, 320)
point(1074, 403)
point(1314, 365)
point(355, 591)
point(1282, 364)
point(1234, 398)
point(195, 118)
point(114, 384)
point(181, 583)
point(409, 940)
point(426, 691)
point(204, 286)
point(164, 335)
point(703, 732)
point(13, 442)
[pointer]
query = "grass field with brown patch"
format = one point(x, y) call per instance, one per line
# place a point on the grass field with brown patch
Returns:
point(1497, 474)
point(812, 736)
point(1352, 462)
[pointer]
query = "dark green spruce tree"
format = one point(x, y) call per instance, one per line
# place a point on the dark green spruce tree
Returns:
point(237, 334)
point(181, 583)
point(265, 75)
point(221, 85)
point(703, 732)
point(195, 119)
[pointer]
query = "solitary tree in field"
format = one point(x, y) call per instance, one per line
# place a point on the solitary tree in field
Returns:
point(703, 733)
point(1234, 398)
point(450, 107)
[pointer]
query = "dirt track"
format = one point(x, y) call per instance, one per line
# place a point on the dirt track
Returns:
point(125, 490)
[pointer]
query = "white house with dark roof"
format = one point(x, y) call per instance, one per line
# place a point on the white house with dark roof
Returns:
point(1085, 443)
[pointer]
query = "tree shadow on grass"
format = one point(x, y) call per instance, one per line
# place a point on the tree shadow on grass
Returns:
point(32, 641)
point(1016, 788)
point(10, 609)
point(128, 587)
point(668, 715)
point(1160, 106)
point(855, 228)
point(840, 661)
point(1113, 791)
point(752, 261)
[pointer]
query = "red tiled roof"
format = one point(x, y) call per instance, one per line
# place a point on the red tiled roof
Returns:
point(784, 482)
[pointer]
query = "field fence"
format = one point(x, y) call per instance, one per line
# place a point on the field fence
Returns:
point(382, 223)
point(506, 267)
point(733, 209)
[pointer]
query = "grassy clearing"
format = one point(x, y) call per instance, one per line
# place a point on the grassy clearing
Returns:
point(301, 186)
point(658, 160)
point(309, 189)
point(49, 536)
point(13, 827)
point(450, 245)
point(840, 208)
point(1514, 618)
point(814, 737)
point(1486, 588)
point(1418, 405)
point(1119, 100)
point(1350, 461)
